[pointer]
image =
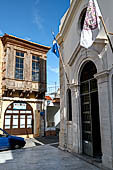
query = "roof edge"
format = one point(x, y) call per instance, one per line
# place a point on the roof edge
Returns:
point(47, 48)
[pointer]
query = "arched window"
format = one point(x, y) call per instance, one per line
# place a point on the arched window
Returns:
point(82, 18)
point(69, 105)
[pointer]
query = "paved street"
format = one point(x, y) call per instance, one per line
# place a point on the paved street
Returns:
point(43, 157)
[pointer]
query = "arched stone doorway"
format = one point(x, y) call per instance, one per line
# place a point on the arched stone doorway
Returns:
point(18, 119)
point(91, 140)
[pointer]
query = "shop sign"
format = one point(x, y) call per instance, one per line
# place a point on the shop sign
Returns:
point(19, 106)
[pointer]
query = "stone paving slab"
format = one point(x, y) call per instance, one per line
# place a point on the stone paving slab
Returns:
point(43, 157)
point(48, 139)
point(29, 143)
point(52, 140)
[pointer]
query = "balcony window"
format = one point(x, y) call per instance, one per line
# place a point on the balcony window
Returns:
point(19, 65)
point(35, 68)
point(19, 54)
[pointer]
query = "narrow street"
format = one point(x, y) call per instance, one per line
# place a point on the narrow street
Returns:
point(42, 157)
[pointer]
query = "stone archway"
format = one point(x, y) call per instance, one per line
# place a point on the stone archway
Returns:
point(91, 140)
point(18, 119)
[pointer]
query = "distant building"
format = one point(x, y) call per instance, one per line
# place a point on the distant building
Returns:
point(86, 103)
point(22, 85)
point(52, 114)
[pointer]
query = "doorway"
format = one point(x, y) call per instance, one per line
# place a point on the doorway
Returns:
point(91, 138)
point(18, 119)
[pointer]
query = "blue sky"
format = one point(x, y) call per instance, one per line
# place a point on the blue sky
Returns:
point(34, 20)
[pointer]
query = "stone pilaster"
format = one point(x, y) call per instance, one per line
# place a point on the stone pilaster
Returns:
point(76, 118)
point(63, 124)
point(105, 118)
point(63, 113)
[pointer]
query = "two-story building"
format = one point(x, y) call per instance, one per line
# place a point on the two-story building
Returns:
point(86, 101)
point(22, 85)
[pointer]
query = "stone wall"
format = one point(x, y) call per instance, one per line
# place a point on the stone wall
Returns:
point(75, 57)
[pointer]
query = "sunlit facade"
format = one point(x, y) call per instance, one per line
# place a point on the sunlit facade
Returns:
point(22, 85)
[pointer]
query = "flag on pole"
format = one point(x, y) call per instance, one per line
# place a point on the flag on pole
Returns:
point(55, 47)
point(91, 25)
point(55, 50)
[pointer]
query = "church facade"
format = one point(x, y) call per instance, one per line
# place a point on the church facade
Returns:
point(86, 102)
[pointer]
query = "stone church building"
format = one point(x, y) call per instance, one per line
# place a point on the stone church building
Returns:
point(86, 102)
point(22, 85)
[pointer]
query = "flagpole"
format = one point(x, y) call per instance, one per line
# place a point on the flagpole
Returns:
point(110, 33)
point(64, 67)
point(101, 18)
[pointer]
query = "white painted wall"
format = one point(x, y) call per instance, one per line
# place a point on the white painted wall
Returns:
point(57, 118)
point(70, 34)
point(72, 37)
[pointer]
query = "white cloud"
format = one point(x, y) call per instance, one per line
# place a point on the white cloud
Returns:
point(27, 38)
point(55, 70)
point(1, 33)
point(38, 21)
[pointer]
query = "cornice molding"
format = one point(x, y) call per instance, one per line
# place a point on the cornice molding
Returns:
point(23, 43)
point(74, 85)
point(21, 99)
point(78, 48)
point(102, 74)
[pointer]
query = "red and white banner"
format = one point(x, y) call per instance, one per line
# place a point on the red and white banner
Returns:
point(91, 25)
